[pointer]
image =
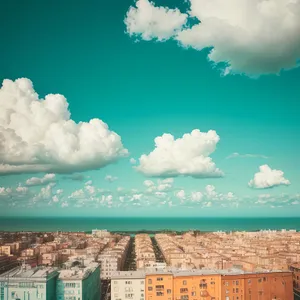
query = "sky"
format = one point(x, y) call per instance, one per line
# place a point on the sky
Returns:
point(165, 108)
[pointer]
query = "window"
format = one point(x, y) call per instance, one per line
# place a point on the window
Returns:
point(168, 291)
point(237, 282)
point(237, 290)
point(184, 282)
point(160, 279)
point(149, 281)
point(193, 293)
point(150, 288)
point(184, 297)
point(159, 287)
point(259, 280)
point(249, 281)
point(184, 290)
point(159, 293)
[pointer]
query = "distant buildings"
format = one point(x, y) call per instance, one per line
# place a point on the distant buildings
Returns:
point(112, 258)
point(28, 284)
point(144, 251)
point(201, 284)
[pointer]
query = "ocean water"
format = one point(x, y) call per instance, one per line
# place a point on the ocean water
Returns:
point(136, 224)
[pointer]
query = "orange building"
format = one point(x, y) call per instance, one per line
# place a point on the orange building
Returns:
point(218, 285)
point(296, 277)
point(196, 284)
point(159, 286)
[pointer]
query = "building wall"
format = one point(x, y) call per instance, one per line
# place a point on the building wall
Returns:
point(23, 290)
point(197, 287)
point(128, 288)
point(51, 288)
point(296, 277)
point(91, 286)
point(269, 286)
point(70, 289)
point(159, 286)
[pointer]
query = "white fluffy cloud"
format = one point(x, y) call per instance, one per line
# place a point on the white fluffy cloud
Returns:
point(187, 156)
point(38, 135)
point(41, 181)
point(180, 194)
point(196, 196)
point(152, 22)
point(267, 178)
point(252, 37)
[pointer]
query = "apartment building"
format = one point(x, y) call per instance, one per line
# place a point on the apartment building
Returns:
point(295, 268)
point(144, 251)
point(175, 284)
point(128, 285)
point(24, 283)
point(112, 258)
point(79, 282)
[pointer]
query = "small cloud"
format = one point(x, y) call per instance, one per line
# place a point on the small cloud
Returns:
point(196, 196)
point(132, 161)
point(35, 181)
point(267, 178)
point(110, 178)
point(180, 194)
point(236, 154)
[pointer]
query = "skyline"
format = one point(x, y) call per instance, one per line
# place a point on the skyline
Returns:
point(149, 123)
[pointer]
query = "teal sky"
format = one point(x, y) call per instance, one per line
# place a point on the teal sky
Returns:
point(143, 89)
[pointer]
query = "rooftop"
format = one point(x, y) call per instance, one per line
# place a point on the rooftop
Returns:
point(27, 272)
point(78, 272)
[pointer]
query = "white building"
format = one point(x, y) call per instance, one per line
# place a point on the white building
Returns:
point(100, 233)
point(79, 282)
point(25, 283)
point(128, 285)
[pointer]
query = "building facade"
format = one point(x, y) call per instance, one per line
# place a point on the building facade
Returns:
point(174, 284)
point(28, 284)
point(81, 282)
point(128, 285)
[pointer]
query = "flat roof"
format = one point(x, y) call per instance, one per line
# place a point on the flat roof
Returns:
point(19, 272)
point(128, 274)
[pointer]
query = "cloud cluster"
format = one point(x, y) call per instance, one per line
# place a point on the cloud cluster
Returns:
point(188, 156)
point(251, 37)
point(152, 22)
point(37, 135)
point(267, 178)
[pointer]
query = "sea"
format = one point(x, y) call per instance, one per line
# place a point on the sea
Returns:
point(135, 224)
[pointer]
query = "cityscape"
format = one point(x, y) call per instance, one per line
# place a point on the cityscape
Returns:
point(102, 265)
point(149, 150)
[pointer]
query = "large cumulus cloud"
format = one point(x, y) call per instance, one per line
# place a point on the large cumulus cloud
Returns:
point(267, 178)
point(39, 135)
point(187, 156)
point(252, 37)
